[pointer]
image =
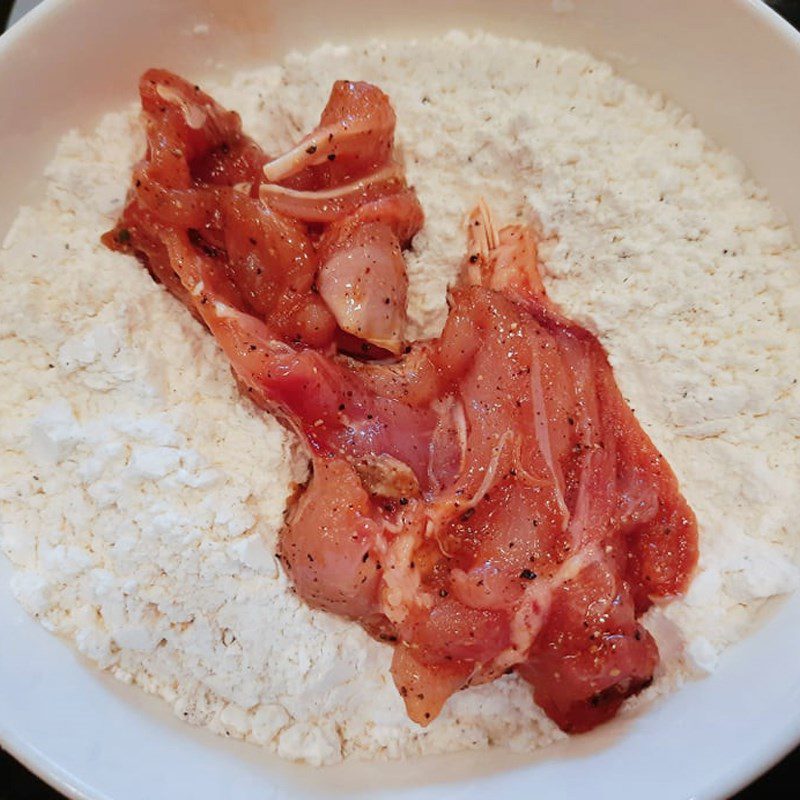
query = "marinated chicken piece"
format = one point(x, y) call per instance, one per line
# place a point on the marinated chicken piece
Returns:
point(202, 175)
point(485, 500)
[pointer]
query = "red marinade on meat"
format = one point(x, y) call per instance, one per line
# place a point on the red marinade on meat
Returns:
point(485, 500)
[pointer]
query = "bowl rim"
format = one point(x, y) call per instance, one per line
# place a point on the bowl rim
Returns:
point(764, 758)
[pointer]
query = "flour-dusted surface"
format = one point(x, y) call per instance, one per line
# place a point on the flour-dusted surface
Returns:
point(141, 496)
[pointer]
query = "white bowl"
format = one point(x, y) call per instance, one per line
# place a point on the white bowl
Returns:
point(733, 63)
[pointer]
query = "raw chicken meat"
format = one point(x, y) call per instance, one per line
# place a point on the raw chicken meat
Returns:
point(486, 500)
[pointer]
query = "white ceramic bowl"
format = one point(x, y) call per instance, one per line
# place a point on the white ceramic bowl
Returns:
point(733, 63)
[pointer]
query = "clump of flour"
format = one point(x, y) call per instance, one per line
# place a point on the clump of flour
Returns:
point(141, 496)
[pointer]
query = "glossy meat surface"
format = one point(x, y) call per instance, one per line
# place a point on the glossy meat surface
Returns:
point(486, 501)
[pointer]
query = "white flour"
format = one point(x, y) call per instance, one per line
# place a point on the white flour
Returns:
point(141, 496)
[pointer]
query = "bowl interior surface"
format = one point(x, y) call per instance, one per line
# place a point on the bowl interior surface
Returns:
point(731, 63)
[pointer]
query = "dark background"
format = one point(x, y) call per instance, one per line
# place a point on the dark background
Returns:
point(16, 783)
